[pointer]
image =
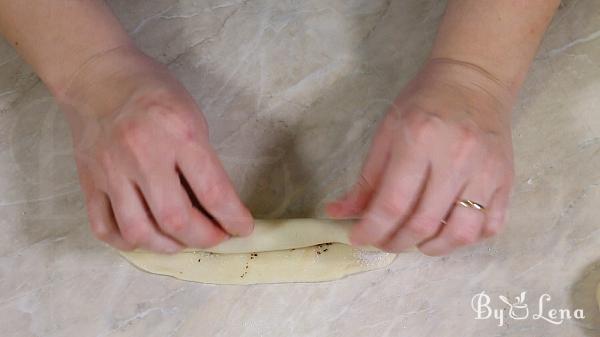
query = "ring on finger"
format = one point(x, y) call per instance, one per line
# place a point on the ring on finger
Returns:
point(467, 203)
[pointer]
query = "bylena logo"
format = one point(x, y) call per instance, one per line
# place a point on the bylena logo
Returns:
point(519, 310)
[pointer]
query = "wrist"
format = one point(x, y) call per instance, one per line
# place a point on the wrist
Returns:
point(107, 79)
point(471, 76)
point(455, 90)
point(59, 69)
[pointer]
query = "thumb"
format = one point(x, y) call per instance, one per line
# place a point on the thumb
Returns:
point(352, 203)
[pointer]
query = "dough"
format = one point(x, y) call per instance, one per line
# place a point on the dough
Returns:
point(293, 250)
point(280, 234)
point(310, 264)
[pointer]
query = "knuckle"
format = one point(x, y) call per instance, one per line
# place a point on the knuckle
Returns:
point(423, 126)
point(100, 231)
point(389, 209)
point(133, 140)
point(128, 131)
point(130, 134)
point(135, 233)
point(495, 225)
point(423, 226)
point(177, 125)
point(467, 145)
point(463, 236)
point(492, 231)
point(468, 134)
point(185, 132)
point(172, 220)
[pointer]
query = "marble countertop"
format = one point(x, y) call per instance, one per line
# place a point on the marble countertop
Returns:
point(292, 91)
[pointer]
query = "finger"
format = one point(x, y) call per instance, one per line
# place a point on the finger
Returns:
point(135, 223)
point(396, 195)
point(441, 190)
point(354, 202)
point(173, 211)
point(496, 212)
point(102, 221)
point(211, 185)
point(100, 214)
point(464, 225)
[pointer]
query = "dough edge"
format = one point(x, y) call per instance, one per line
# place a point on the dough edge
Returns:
point(281, 234)
point(285, 266)
point(278, 251)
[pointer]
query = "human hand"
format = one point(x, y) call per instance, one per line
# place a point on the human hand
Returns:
point(447, 138)
point(140, 144)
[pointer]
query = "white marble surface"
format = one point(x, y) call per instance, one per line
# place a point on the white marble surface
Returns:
point(292, 91)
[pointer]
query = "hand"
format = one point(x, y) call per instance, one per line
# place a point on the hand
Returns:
point(140, 141)
point(447, 138)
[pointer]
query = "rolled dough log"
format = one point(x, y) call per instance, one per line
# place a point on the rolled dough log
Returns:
point(293, 250)
point(279, 234)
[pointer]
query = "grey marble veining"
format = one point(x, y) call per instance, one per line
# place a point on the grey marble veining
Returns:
point(292, 91)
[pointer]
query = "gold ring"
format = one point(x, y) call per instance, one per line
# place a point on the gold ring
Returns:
point(471, 204)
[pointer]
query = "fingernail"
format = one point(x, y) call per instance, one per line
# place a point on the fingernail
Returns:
point(250, 228)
